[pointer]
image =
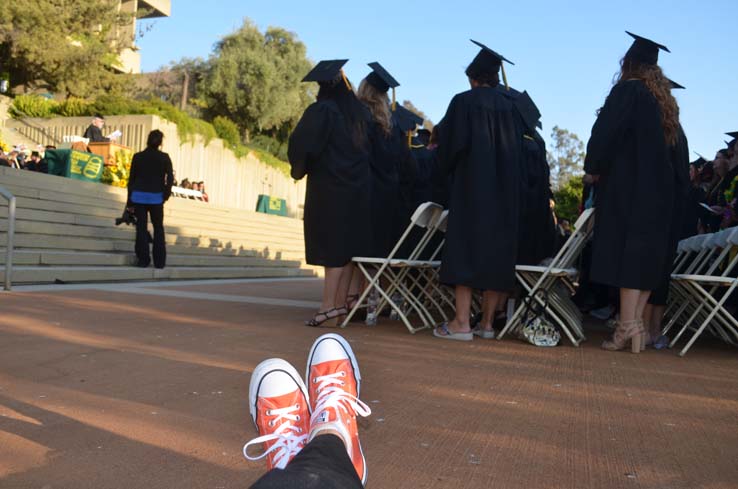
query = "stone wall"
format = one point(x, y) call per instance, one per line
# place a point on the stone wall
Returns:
point(230, 181)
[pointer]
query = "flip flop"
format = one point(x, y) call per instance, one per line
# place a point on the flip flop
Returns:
point(443, 332)
point(483, 333)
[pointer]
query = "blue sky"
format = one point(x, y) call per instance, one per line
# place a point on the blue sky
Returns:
point(565, 52)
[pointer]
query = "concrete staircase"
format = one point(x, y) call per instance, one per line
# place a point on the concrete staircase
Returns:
point(65, 231)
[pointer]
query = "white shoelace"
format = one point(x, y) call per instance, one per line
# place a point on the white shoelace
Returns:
point(289, 438)
point(332, 395)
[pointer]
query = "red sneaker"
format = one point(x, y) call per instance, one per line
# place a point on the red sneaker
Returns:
point(278, 402)
point(334, 382)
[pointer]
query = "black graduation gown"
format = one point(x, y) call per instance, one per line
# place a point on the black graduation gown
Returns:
point(537, 227)
point(337, 212)
point(389, 157)
point(480, 144)
point(422, 188)
point(680, 162)
point(635, 194)
point(95, 135)
point(693, 211)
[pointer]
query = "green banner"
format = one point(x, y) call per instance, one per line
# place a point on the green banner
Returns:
point(271, 205)
point(78, 165)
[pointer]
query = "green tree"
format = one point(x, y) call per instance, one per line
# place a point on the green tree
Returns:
point(254, 80)
point(177, 84)
point(566, 158)
point(427, 123)
point(568, 198)
point(65, 46)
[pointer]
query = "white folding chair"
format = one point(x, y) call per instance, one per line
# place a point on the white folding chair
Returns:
point(383, 274)
point(423, 281)
point(696, 255)
point(558, 279)
point(710, 312)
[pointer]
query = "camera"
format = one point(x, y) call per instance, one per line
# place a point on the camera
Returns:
point(128, 218)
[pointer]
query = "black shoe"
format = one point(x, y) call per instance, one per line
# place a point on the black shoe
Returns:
point(142, 264)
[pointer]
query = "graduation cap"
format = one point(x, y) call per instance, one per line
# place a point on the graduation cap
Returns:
point(488, 61)
point(380, 79)
point(406, 119)
point(733, 135)
point(675, 85)
point(699, 162)
point(529, 111)
point(524, 105)
point(644, 50)
point(326, 71)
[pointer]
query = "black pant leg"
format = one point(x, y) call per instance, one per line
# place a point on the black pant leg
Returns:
point(142, 241)
point(157, 220)
point(322, 464)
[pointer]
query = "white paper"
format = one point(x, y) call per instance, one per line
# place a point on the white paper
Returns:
point(115, 135)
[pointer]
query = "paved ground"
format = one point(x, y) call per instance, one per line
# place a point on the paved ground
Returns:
point(146, 387)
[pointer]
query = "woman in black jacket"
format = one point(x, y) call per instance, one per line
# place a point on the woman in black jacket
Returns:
point(149, 186)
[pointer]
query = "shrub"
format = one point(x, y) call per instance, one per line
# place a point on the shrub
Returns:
point(227, 130)
point(73, 107)
point(270, 145)
point(32, 106)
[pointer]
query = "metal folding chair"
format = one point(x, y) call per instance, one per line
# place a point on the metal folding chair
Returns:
point(558, 279)
point(386, 275)
point(709, 305)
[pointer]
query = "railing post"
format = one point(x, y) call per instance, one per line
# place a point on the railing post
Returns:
point(9, 244)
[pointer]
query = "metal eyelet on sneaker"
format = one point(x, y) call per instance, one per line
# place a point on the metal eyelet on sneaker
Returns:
point(343, 383)
point(270, 423)
point(297, 406)
point(269, 412)
point(343, 374)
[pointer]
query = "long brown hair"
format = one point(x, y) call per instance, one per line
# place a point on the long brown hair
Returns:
point(350, 107)
point(378, 104)
point(660, 88)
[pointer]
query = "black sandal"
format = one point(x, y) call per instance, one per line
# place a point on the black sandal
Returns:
point(315, 323)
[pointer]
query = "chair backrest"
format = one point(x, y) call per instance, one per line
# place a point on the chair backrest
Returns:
point(424, 217)
point(572, 249)
point(424, 214)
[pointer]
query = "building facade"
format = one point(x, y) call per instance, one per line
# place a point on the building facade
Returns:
point(130, 57)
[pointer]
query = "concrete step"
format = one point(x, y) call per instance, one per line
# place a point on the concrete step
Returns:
point(173, 236)
point(173, 224)
point(39, 257)
point(49, 187)
point(70, 243)
point(34, 274)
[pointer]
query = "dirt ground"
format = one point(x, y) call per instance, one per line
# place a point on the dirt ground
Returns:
point(146, 386)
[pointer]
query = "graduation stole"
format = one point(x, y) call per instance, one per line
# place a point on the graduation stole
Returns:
point(729, 192)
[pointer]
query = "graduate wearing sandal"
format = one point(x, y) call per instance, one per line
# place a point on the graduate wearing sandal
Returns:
point(630, 151)
point(330, 145)
point(479, 145)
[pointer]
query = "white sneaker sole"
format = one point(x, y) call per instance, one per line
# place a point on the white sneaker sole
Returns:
point(261, 371)
point(357, 375)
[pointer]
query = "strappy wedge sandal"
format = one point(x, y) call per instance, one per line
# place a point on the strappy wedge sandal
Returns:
point(323, 316)
point(351, 301)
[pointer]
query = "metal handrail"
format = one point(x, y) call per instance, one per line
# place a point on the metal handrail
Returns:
point(24, 120)
point(11, 231)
